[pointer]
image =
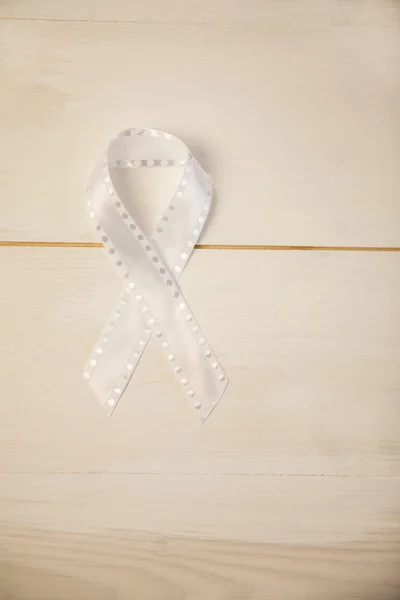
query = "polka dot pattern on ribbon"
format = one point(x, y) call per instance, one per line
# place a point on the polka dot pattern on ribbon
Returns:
point(151, 303)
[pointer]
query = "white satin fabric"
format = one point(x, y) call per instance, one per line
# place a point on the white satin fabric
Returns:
point(151, 303)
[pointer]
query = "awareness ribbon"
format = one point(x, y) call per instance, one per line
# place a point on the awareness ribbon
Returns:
point(151, 303)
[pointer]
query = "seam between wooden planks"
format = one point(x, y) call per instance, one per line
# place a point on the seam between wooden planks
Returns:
point(111, 21)
point(195, 473)
point(216, 23)
point(257, 247)
point(226, 24)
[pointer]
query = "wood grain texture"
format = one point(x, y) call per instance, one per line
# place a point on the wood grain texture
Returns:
point(289, 13)
point(123, 565)
point(175, 537)
point(297, 121)
point(306, 510)
point(291, 491)
point(309, 341)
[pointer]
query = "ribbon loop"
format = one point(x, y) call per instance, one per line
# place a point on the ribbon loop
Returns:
point(151, 303)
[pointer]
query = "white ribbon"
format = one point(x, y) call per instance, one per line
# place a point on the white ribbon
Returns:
point(151, 303)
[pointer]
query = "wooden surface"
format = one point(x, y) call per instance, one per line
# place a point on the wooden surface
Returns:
point(291, 491)
point(298, 119)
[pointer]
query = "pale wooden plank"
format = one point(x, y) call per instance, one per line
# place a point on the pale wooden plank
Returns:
point(297, 120)
point(297, 510)
point(173, 537)
point(310, 342)
point(181, 11)
point(290, 12)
